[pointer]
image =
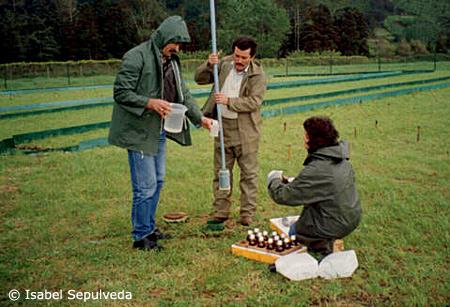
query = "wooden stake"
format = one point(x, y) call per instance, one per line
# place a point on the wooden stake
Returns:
point(354, 132)
point(376, 124)
point(289, 151)
point(418, 134)
point(284, 126)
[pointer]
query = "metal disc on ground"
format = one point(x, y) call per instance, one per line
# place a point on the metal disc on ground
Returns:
point(175, 217)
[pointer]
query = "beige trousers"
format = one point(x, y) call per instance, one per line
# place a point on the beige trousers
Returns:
point(248, 165)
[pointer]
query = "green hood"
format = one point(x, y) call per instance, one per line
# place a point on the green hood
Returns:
point(336, 153)
point(172, 30)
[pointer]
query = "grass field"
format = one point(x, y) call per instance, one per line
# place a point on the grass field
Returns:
point(65, 216)
point(275, 68)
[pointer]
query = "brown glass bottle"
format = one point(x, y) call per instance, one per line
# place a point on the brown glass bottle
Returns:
point(261, 242)
point(294, 240)
point(279, 248)
point(265, 235)
point(249, 233)
point(252, 240)
point(270, 244)
point(287, 243)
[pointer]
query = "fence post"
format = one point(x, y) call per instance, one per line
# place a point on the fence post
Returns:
point(68, 73)
point(6, 77)
point(379, 62)
point(434, 59)
point(286, 67)
point(331, 63)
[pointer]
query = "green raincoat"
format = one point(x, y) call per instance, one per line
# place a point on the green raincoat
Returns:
point(326, 189)
point(140, 78)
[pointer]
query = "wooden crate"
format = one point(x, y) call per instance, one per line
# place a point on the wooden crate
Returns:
point(262, 254)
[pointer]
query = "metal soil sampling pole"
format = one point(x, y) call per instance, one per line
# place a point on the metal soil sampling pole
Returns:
point(224, 174)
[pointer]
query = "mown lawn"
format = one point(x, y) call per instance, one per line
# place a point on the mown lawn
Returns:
point(65, 217)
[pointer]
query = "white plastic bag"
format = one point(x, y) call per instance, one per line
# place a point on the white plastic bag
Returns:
point(297, 266)
point(339, 264)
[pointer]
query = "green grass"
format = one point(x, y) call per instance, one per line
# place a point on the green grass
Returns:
point(44, 81)
point(19, 125)
point(65, 216)
point(26, 99)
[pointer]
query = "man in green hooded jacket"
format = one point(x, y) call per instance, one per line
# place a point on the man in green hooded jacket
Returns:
point(148, 82)
point(325, 187)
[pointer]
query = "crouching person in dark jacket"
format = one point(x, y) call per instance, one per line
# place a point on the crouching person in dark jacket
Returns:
point(325, 187)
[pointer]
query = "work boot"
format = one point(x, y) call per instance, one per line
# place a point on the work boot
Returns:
point(147, 243)
point(245, 221)
point(160, 235)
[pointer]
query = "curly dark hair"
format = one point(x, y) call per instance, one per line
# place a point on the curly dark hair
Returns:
point(321, 132)
point(244, 43)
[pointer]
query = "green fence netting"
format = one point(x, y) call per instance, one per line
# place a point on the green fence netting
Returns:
point(11, 145)
point(71, 105)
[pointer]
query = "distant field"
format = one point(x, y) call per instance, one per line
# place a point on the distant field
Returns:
point(275, 68)
point(65, 216)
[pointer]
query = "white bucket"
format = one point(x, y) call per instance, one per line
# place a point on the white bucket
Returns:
point(175, 119)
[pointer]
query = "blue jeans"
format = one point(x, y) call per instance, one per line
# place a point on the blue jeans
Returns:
point(147, 178)
point(292, 230)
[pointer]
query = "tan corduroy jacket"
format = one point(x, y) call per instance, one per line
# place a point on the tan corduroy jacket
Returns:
point(247, 105)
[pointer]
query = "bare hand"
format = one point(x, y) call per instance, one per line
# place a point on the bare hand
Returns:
point(221, 98)
point(213, 59)
point(162, 107)
point(207, 123)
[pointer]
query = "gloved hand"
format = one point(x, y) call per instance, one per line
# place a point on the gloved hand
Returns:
point(273, 175)
point(287, 180)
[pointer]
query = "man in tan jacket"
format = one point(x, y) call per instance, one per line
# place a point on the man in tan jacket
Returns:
point(242, 84)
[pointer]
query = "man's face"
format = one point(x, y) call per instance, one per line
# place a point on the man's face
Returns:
point(241, 58)
point(169, 49)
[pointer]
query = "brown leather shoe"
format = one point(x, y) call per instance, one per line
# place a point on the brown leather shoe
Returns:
point(245, 221)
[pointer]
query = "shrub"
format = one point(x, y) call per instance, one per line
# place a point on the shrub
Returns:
point(404, 48)
point(418, 47)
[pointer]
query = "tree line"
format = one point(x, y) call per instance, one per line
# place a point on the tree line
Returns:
point(49, 30)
